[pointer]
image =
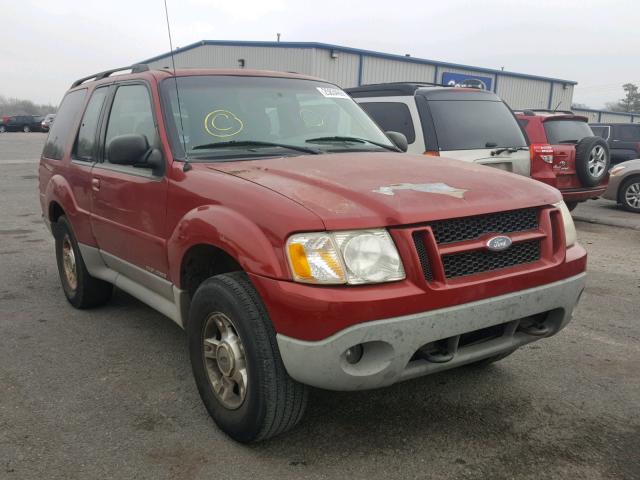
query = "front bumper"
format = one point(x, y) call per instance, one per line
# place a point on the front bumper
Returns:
point(392, 347)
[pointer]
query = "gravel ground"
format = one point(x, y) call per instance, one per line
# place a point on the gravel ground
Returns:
point(108, 393)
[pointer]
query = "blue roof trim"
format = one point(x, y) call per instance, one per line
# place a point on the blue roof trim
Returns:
point(356, 51)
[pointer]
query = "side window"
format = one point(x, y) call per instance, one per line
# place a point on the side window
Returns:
point(523, 123)
point(629, 133)
point(60, 131)
point(131, 113)
point(393, 116)
point(86, 141)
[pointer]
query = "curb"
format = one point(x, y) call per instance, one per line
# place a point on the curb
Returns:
point(609, 223)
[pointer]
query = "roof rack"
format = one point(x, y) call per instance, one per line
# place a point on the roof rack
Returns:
point(137, 68)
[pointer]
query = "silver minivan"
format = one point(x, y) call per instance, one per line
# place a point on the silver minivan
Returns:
point(467, 124)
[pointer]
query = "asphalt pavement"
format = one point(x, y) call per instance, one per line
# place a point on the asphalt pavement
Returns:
point(108, 393)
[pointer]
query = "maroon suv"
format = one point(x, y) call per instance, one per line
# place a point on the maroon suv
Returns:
point(566, 154)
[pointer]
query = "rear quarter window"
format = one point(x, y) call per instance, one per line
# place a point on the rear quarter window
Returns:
point(601, 131)
point(394, 116)
point(66, 118)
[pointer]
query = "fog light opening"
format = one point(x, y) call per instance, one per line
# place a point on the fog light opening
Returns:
point(354, 354)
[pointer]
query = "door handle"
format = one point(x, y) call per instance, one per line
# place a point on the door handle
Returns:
point(95, 184)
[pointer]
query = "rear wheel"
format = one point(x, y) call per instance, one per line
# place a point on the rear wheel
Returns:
point(629, 195)
point(236, 362)
point(81, 289)
point(26, 129)
point(3, 129)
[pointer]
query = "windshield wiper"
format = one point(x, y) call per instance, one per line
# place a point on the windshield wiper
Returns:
point(338, 138)
point(568, 141)
point(253, 143)
point(498, 151)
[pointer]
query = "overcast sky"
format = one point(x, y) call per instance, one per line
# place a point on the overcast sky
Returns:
point(48, 44)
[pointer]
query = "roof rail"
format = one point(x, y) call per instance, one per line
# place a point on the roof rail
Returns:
point(137, 68)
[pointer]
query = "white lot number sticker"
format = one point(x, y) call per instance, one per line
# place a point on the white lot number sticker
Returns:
point(332, 92)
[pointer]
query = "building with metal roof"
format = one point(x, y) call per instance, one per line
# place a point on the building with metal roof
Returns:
point(350, 67)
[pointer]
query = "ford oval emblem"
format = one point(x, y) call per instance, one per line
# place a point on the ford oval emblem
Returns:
point(497, 244)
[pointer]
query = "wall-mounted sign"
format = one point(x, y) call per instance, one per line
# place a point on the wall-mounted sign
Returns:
point(466, 80)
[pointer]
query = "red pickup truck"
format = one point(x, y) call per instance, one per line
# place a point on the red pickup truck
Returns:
point(267, 215)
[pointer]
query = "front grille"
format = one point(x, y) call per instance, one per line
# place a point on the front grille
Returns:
point(476, 261)
point(471, 228)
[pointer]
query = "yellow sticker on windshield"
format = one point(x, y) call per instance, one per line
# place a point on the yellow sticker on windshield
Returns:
point(222, 123)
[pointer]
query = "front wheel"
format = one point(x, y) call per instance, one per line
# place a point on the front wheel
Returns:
point(3, 129)
point(26, 129)
point(629, 196)
point(236, 362)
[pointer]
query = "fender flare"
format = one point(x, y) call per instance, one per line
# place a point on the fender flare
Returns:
point(229, 231)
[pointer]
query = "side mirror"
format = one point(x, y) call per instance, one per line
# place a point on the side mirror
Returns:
point(133, 149)
point(398, 139)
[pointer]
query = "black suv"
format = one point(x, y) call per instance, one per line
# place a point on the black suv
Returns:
point(623, 139)
point(22, 123)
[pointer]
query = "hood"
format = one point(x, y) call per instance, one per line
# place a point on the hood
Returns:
point(361, 190)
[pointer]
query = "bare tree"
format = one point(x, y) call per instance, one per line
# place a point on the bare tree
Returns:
point(16, 106)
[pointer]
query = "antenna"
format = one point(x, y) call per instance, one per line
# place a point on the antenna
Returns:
point(557, 106)
point(186, 166)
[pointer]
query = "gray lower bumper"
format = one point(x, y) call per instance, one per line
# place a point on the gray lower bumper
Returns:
point(390, 345)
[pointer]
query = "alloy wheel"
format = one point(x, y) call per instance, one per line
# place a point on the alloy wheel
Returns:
point(597, 161)
point(69, 263)
point(225, 361)
point(632, 195)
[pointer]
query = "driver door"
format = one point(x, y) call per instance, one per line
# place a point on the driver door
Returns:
point(128, 215)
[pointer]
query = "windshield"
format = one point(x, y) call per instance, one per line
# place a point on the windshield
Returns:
point(566, 131)
point(228, 117)
point(475, 124)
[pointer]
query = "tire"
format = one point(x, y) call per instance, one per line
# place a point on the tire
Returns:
point(629, 194)
point(489, 360)
point(272, 402)
point(571, 205)
point(81, 289)
point(3, 129)
point(26, 129)
point(592, 160)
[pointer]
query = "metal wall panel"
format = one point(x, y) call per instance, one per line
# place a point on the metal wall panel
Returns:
point(381, 70)
point(592, 116)
point(342, 70)
point(562, 96)
point(522, 93)
point(608, 117)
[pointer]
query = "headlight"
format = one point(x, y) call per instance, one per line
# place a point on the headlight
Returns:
point(353, 257)
point(569, 227)
point(616, 170)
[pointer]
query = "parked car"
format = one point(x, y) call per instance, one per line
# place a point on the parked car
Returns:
point(267, 215)
point(623, 139)
point(566, 154)
point(45, 125)
point(467, 124)
point(22, 123)
point(624, 185)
